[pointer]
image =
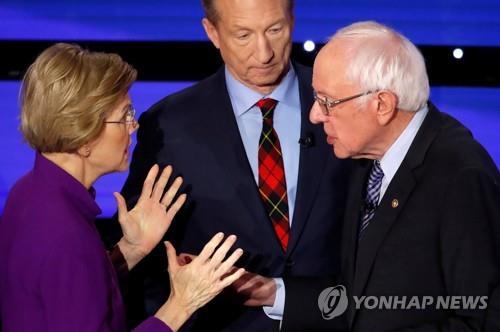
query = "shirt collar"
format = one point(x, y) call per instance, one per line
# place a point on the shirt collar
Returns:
point(394, 156)
point(243, 98)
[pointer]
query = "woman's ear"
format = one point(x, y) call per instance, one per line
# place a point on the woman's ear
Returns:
point(84, 151)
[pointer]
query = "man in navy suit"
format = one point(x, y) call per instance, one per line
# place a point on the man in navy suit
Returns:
point(423, 210)
point(220, 138)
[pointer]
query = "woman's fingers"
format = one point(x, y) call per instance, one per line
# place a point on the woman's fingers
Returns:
point(210, 247)
point(227, 265)
point(221, 252)
point(122, 206)
point(152, 189)
point(159, 186)
point(232, 278)
point(174, 208)
point(207, 275)
point(214, 252)
point(171, 192)
point(173, 265)
point(149, 182)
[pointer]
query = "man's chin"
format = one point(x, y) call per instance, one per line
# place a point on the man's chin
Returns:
point(341, 153)
point(268, 77)
point(267, 81)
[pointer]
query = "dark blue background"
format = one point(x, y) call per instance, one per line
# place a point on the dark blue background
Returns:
point(450, 22)
point(433, 22)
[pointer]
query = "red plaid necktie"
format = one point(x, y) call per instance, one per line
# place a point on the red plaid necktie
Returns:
point(272, 184)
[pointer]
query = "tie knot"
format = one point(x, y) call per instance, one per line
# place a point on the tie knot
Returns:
point(267, 106)
point(376, 173)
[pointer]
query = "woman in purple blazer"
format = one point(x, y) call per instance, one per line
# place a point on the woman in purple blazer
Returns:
point(55, 273)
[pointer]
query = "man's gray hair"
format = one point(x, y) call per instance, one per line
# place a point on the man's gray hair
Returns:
point(383, 59)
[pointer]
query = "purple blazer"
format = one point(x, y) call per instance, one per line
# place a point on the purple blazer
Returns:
point(55, 272)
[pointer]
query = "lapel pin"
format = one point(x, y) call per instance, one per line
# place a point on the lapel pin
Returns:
point(394, 203)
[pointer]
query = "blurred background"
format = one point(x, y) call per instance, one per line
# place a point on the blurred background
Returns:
point(164, 40)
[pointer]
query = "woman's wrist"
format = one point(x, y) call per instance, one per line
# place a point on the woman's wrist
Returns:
point(131, 253)
point(174, 313)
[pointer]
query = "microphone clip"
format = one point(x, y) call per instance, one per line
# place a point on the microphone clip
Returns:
point(306, 141)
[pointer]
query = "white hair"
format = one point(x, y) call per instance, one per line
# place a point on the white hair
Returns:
point(382, 59)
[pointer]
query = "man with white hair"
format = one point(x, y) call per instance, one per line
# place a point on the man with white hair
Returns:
point(423, 213)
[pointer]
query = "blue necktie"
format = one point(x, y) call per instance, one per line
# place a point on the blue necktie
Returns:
point(372, 194)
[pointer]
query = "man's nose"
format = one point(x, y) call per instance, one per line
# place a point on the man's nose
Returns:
point(316, 114)
point(264, 51)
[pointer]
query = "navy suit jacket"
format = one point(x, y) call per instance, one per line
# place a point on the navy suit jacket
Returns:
point(440, 239)
point(195, 131)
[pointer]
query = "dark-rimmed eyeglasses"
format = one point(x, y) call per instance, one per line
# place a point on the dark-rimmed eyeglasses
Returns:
point(328, 104)
point(128, 118)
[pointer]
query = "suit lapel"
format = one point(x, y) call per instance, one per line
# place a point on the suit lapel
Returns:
point(400, 189)
point(313, 155)
point(351, 224)
point(387, 213)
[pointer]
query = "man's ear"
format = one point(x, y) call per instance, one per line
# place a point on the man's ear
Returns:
point(211, 31)
point(387, 103)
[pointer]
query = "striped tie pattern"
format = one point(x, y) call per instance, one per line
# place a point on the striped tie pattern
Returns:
point(372, 194)
point(272, 184)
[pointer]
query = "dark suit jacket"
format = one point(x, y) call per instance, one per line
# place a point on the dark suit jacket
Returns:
point(195, 131)
point(442, 238)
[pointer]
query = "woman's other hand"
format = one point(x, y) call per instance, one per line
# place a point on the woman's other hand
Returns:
point(196, 283)
point(144, 226)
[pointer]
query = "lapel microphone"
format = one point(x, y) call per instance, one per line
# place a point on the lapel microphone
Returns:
point(307, 141)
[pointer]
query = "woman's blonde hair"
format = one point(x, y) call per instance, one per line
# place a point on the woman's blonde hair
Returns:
point(67, 93)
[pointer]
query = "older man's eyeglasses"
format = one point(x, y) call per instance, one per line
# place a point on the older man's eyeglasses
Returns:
point(328, 104)
point(128, 118)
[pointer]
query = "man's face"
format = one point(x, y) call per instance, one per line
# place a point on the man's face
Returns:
point(254, 38)
point(351, 127)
